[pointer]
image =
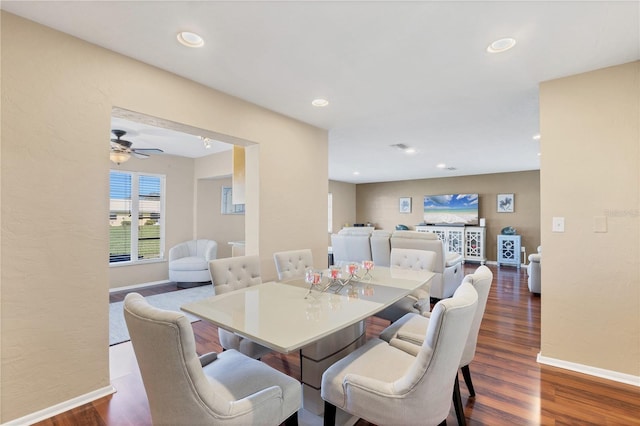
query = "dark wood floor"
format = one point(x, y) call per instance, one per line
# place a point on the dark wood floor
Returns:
point(511, 387)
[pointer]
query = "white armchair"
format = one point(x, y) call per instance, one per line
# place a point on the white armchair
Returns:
point(189, 261)
point(534, 271)
point(222, 389)
point(385, 385)
point(447, 267)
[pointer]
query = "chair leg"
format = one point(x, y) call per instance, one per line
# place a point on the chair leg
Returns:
point(329, 414)
point(292, 420)
point(467, 379)
point(457, 403)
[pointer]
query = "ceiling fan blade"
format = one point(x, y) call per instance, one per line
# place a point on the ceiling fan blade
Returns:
point(140, 155)
point(147, 150)
point(123, 143)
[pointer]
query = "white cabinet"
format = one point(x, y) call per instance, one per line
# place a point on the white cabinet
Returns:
point(475, 238)
point(468, 241)
point(509, 250)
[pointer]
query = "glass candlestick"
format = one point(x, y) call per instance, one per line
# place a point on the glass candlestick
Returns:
point(367, 265)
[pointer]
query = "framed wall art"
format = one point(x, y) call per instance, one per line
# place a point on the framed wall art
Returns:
point(506, 203)
point(405, 204)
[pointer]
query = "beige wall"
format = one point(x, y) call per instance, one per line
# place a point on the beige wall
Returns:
point(178, 215)
point(58, 91)
point(344, 204)
point(192, 199)
point(211, 174)
point(378, 203)
point(212, 224)
point(590, 169)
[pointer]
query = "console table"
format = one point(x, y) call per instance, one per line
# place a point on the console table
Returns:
point(509, 250)
point(467, 241)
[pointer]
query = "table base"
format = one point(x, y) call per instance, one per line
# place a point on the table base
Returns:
point(318, 356)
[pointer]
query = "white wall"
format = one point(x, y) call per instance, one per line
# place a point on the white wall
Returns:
point(60, 91)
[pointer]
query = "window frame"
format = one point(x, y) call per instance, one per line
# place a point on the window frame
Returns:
point(135, 213)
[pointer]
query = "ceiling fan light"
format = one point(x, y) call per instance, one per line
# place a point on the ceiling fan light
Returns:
point(119, 157)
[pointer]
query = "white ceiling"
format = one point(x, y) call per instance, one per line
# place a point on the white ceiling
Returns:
point(415, 73)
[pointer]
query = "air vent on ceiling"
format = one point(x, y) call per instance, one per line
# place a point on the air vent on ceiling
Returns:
point(400, 146)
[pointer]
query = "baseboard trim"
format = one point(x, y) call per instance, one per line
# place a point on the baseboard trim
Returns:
point(138, 286)
point(591, 371)
point(54, 410)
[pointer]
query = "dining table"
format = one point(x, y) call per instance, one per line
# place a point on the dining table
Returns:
point(324, 324)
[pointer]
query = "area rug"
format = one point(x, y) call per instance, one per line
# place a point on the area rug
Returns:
point(172, 301)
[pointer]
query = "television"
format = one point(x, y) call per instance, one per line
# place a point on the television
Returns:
point(451, 209)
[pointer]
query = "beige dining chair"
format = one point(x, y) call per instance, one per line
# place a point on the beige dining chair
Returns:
point(411, 330)
point(233, 273)
point(385, 385)
point(419, 300)
point(292, 263)
point(447, 267)
point(222, 389)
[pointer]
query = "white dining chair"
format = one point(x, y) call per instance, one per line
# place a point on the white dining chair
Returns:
point(419, 300)
point(218, 389)
point(292, 263)
point(233, 273)
point(411, 330)
point(385, 385)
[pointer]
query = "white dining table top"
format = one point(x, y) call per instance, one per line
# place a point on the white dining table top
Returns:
point(277, 314)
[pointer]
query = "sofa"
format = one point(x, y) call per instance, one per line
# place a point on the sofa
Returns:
point(533, 270)
point(353, 245)
point(189, 261)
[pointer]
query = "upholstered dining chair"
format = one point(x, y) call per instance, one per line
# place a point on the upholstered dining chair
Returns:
point(226, 389)
point(418, 301)
point(447, 266)
point(233, 273)
point(292, 263)
point(411, 328)
point(385, 385)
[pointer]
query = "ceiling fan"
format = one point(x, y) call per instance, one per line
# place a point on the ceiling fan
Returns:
point(121, 149)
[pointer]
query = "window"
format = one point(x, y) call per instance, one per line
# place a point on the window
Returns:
point(141, 196)
point(227, 205)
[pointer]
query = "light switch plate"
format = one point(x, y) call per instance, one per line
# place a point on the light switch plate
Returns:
point(558, 224)
point(599, 224)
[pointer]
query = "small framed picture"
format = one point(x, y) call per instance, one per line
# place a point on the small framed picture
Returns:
point(405, 204)
point(506, 203)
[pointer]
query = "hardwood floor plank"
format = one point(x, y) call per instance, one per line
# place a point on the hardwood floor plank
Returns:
point(511, 387)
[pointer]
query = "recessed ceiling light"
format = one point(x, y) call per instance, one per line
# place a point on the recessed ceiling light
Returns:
point(356, 173)
point(501, 45)
point(539, 154)
point(441, 166)
point(190, 39)
point(410, 151)
point(536, 137)
point(320, 102)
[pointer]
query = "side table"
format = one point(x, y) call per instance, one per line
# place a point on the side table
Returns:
point(509, 250)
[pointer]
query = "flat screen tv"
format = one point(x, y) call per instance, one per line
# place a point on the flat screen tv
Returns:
point(451, 209)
